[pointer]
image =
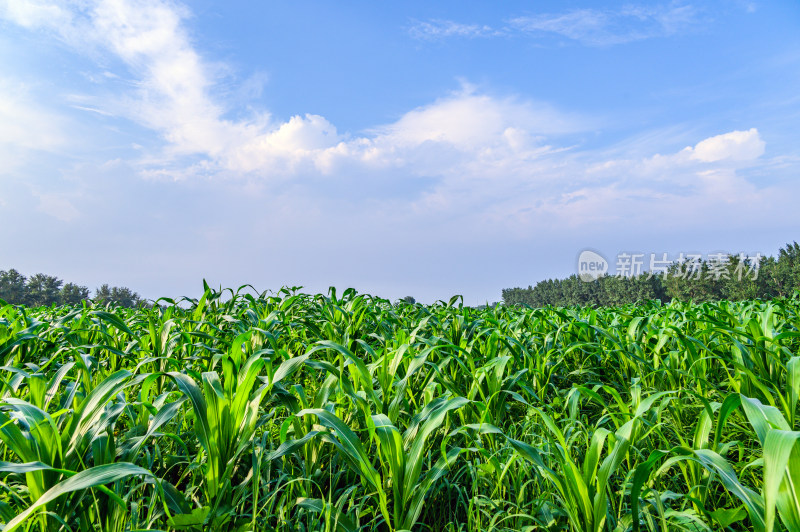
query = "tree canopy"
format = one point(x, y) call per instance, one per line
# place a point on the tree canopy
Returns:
point(44, 290)
point(723, 278)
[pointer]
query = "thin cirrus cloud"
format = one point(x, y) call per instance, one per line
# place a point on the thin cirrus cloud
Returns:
point(594, 27)
point(442, 29)
point(591, 27)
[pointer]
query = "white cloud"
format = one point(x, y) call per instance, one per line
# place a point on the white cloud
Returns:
point(285, 148)
point(467, 120)
point(440, 29)
point(35, 13)
point(502, 160)
point(733, 146)
point(172, 95)
point(596, 27)
point(580, 24)
point(173, 81)
point(584, 189)
point(592, 27)
point(444, 137)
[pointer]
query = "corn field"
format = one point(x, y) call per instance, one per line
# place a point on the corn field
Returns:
point(347, 413)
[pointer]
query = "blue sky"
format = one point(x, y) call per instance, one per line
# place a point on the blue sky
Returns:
point(403, 148)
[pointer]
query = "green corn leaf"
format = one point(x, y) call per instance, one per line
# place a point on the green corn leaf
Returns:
point(95, 476)
point(778, 447)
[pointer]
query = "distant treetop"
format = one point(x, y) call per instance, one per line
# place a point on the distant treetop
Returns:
point(45, 290)
point(730, 279)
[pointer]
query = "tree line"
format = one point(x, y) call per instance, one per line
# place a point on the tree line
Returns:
point(45, 290)
point(730, 277)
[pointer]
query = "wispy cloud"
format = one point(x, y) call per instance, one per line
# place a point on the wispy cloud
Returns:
point(24, 123)
point(39, 14)
point(172, 81)
point(594, 27)
point(441, 29)
point(591, 27)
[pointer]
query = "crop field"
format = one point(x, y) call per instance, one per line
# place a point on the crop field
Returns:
point(343, 412)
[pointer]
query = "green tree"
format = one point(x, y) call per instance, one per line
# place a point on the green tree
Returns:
point(72, 294)
point(12, 287)
point(686, 281)
point(785, 271)
point(744, 282)
point(102, 295)
point(721, 277)
point(43, 290)
point(117, 295)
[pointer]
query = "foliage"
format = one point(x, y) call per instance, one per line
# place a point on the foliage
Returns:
point(12, 286)
point(324, 412)
point(73, 294)
point(45, 290)
point(118, 296)
point(42, 290)
point(730, 279)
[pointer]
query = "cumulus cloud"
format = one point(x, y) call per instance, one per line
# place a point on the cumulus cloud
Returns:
point(593, 188)
point(468, 120)
point(733, 146)
point(303, 141)
point(718, 157)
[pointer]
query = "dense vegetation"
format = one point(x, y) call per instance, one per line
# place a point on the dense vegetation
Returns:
point(319, 412)
point(45, 290)
point(731, 279)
